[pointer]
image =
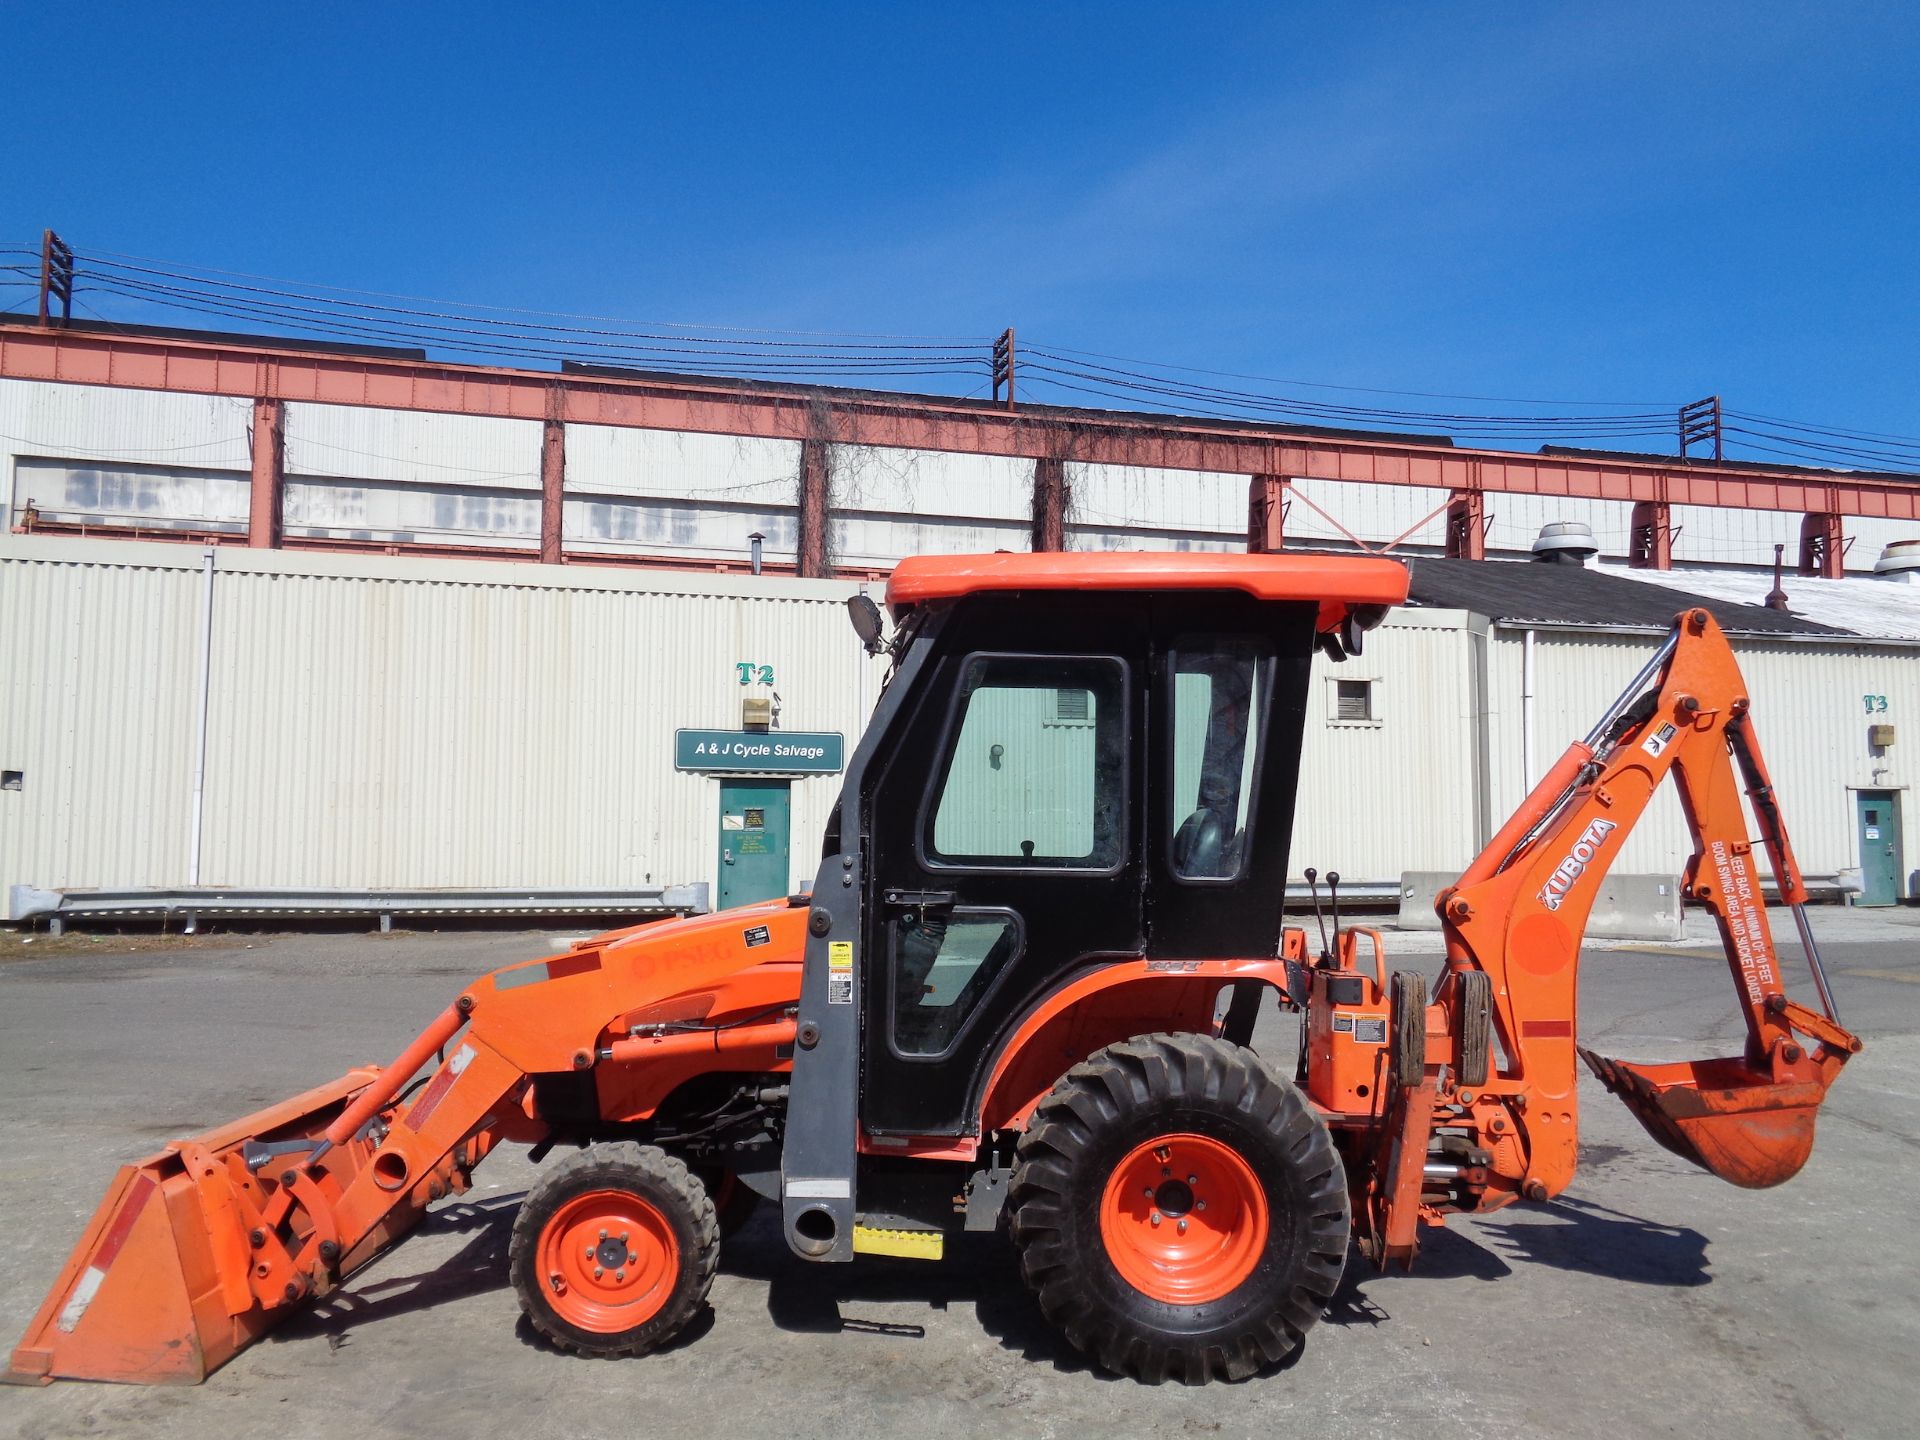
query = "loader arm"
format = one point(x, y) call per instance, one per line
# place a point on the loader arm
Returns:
point(1520, 912)
point(197, 1251)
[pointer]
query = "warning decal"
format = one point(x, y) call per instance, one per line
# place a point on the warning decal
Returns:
point(839, 972)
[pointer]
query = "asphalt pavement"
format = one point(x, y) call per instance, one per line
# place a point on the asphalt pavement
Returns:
point(1650, 1299)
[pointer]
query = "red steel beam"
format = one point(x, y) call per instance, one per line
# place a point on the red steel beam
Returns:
point(1049, 505)
point(1266, 513)
point(1823, 546)
point(553, 489)
point(1650, 542)
point(913, 422)
point(1467, 525)
point(269, 478)
point(812, 558)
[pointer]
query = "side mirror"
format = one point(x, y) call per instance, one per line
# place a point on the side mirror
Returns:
point(1359, 619)
point(867, 623)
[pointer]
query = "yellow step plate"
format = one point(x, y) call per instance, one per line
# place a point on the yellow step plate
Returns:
point(905, 1244)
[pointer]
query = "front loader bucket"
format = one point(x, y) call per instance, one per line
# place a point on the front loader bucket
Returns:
point(159, 1289)
point(1742, 1124)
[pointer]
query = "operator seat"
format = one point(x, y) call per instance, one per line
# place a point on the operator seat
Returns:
point(1200, 845)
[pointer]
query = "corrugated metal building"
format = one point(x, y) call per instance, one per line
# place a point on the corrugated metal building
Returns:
point(374, 722)
point(1562, 641)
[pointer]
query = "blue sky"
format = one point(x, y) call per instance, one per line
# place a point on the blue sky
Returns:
point(1635, 203)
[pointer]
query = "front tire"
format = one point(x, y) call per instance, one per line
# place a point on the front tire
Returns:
point(734, 1204)
point(1180, 1210)
point(614, 1250)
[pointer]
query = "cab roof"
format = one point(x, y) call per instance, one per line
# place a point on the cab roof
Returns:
point(1338, 582)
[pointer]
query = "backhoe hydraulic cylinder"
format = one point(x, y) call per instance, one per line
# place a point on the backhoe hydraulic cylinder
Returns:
point(1535, 808)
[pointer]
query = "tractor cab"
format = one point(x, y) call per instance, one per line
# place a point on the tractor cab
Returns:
point(1078, 761)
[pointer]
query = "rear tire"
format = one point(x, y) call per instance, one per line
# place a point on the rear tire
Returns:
point(1476, 1025)
point(614, 1250)
point(1251, 1195)
point(1409, 994)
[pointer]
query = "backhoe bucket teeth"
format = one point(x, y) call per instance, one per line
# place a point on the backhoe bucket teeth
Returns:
point(160, 1289)
point(1723, 1114)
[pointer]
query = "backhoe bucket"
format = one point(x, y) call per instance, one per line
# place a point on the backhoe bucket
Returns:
point(160, 1289)
point(1741, 1123)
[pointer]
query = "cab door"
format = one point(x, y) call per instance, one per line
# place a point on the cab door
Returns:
point(1006, 848)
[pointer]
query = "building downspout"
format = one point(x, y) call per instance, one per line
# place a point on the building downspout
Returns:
point(1526, 711)
point(201, 707)
point(1480, 639)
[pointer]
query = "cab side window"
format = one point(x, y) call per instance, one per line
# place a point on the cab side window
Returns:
point(1034, 774)
point(1221, 689)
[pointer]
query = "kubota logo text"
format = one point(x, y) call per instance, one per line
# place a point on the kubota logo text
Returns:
point(1575, 865)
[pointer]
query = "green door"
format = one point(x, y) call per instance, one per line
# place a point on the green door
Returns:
point(1879, 830)
point(754, 864)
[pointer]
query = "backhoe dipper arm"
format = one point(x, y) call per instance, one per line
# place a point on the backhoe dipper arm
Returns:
point(1521, 911)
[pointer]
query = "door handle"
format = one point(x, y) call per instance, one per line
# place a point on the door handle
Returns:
point(921, 899)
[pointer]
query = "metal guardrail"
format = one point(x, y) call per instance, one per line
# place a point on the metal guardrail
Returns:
point(28, 904)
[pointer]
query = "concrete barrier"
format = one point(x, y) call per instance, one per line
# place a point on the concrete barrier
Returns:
point(1629, 907)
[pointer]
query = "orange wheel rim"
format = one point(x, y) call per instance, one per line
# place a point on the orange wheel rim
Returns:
point(1184, 1219)
point(608, 1261)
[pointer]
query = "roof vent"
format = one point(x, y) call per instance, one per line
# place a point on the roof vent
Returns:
point(1899, 561)
point(1568, 542)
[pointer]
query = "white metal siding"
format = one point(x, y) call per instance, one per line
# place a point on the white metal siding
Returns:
point(117, 431)
point(94, 422)
point(412, 447)
point(97, 709)
point(1398, 793)
point(1128, 501)
point(1807, 712)
point(381, 721)
point(1327, 511)
point(392, 722)
point(888, 504)
point(667, 493)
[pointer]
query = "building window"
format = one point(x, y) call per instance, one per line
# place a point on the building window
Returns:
point(1354, 702)
point(1072, 707)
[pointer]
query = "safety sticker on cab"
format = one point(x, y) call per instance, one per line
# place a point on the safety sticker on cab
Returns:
point(839, 972)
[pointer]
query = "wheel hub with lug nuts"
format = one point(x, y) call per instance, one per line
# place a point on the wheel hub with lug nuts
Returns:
point(610, 1260)
point(1204, 1253)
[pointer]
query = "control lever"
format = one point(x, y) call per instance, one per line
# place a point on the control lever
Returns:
point(1333, 899)
point(1326, 951)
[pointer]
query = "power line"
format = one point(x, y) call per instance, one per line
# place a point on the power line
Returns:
point(523, 335)
point(549, 314)
point(1355, 389)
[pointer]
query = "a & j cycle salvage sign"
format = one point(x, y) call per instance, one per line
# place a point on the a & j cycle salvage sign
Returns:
point(756, 752)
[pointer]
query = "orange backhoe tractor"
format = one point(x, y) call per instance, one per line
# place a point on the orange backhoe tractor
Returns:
point(1020, 994)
